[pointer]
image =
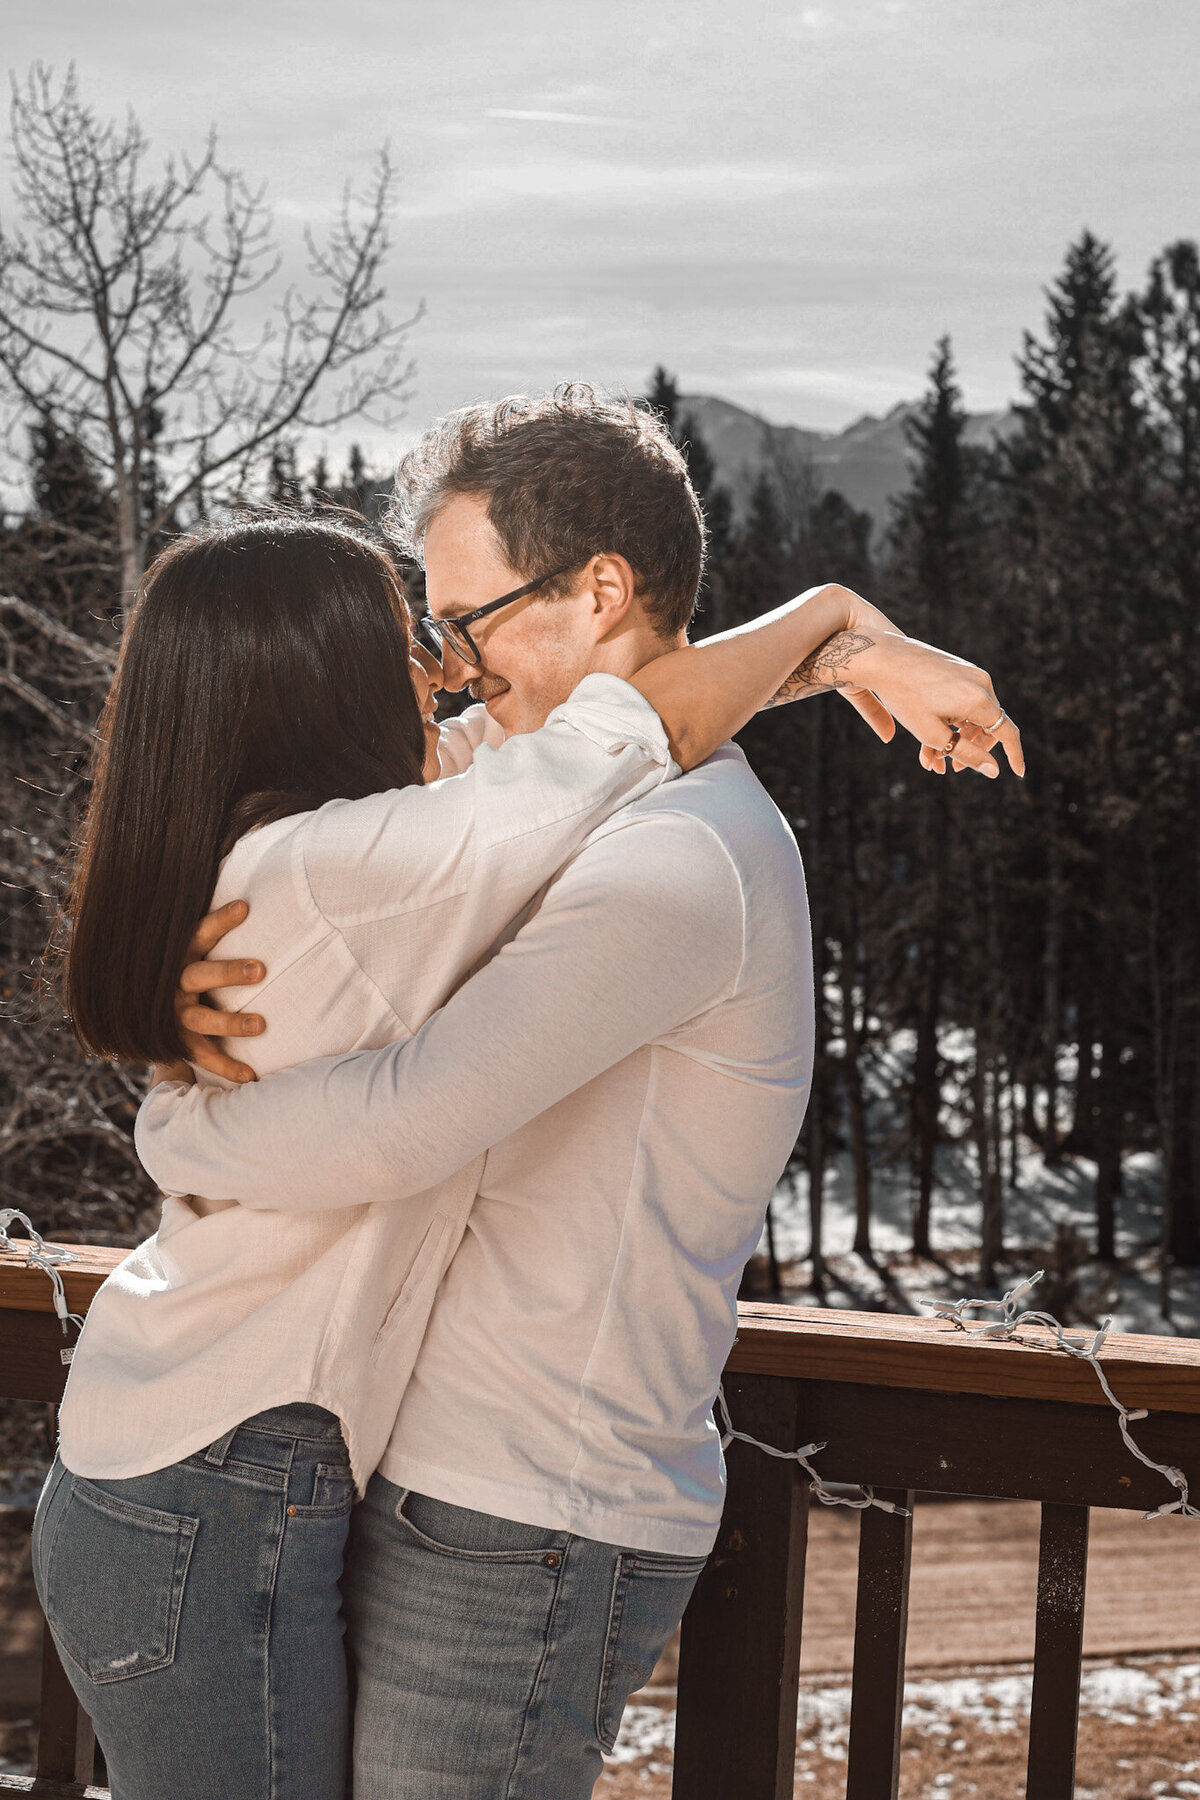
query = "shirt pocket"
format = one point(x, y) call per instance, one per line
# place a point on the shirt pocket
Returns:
point(422, 1278)
point(114, 1578)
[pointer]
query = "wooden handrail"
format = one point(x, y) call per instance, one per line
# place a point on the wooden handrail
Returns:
point(954, 1414)
point(895, 1350)
point(23, 1289)
point(816, 1343)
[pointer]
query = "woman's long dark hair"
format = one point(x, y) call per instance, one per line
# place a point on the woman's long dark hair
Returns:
point(264, 671)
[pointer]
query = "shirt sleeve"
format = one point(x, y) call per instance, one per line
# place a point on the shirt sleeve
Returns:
point(457, 860)
point(460, 738)
point(643, 932)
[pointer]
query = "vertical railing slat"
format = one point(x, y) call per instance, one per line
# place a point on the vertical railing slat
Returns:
point(1058, 1652)
point(739, 1662)
point(880, 1628)
point(66, 1745)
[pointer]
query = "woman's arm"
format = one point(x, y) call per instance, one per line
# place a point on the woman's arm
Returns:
point(705, 692)
point(828, 637)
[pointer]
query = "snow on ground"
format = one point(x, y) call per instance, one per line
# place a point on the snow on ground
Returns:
point(1046, 1198)
point(993, 1702)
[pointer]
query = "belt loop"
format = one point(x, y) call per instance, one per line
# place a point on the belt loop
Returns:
point(217, 1452)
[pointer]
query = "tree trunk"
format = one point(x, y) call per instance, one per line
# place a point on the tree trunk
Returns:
point(985, 1131)
point(927, 1097)
point(816, 1192)
point(1052, 984)
point(856, 1104)
point(1108, 1152)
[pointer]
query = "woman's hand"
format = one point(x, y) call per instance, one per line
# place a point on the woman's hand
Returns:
point(948, 705)
point(941, 699)
point(200, 1024)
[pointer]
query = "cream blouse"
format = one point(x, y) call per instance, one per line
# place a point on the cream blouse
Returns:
point(368, 915)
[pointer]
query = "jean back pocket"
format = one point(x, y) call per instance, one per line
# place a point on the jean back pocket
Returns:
point(114, 1576)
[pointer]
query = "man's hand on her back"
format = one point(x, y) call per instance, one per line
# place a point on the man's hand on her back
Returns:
point(200, 1024)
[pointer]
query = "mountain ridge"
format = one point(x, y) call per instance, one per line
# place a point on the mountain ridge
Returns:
point(868, 461)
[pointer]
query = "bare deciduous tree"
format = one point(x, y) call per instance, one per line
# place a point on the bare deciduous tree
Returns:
point(123, 311)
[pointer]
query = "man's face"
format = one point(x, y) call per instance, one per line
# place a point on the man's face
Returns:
point(535, 652)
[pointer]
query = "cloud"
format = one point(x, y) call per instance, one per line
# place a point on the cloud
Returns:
point(553, 118)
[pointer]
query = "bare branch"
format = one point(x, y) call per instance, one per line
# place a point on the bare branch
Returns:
point(61, 634)
point(57, 715)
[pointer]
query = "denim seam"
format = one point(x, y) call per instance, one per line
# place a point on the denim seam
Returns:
point(531, 1697)
point(536, 1555)
point(270, 1481)
point(64, 1474)
point(622, 1575)
point(267, 1683)
point(154, 1518)
point(294, 1437)
point(273, 1431)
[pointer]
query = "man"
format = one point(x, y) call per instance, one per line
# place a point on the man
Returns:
point(635, 1060)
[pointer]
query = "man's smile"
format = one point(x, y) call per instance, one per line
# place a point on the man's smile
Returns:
point(488, 687)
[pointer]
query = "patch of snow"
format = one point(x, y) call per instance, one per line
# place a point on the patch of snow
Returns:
point(644, 1730)
point(1119, 1693)
point(1044, 1199)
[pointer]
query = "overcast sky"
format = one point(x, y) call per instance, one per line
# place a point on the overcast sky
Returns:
point(786, 204)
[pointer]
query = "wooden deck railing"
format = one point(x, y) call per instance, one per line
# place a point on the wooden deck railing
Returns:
point(907, 1405)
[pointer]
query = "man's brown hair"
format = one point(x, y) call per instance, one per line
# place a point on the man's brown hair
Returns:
point(566, 476)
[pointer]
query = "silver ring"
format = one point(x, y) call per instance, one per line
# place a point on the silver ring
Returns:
point(990, 730)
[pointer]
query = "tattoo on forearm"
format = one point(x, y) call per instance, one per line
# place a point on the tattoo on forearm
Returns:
point(825, 668)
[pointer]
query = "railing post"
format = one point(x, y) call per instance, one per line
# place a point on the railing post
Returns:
point(1058, 1652)
point(880, 1628)
point(66, 1745)
point(739, 1662)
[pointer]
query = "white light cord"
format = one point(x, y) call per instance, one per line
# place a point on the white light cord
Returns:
point(41, 1255)
point(858, 1501)
point(1008, 1324)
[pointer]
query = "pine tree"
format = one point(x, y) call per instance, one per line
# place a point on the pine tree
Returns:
point(663, 396)
point(283, 484)
point(1074, 539)
point(1169, 679)
point(930, 571)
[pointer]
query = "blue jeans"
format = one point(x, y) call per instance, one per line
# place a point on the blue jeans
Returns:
point(198, 1614)
point(494, 1660)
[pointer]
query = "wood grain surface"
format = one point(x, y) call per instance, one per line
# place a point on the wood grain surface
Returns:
point(897, 1350)
point(29, 1290)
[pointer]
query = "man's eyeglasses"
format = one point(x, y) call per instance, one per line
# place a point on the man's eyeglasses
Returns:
point(434, 633)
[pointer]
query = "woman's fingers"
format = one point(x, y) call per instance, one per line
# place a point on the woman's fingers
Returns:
point(214, 926)
point(872, 710)
point(1010, 737)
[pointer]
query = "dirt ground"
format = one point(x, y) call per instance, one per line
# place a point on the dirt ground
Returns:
point(970, 1645)
point(970, 1648)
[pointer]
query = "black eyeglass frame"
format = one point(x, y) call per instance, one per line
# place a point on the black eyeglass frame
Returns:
point(431, 631)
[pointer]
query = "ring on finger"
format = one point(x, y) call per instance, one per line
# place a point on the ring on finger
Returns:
point(952, 746)
point(991, 730)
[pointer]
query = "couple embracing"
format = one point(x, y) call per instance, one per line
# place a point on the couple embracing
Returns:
point(388, 1462)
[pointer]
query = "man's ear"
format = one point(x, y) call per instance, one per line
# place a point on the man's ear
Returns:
point(613, 587)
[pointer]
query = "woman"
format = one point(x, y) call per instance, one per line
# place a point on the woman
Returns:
point(266, 736)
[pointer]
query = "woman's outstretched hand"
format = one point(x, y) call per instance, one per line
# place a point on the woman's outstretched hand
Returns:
point(949, 705)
